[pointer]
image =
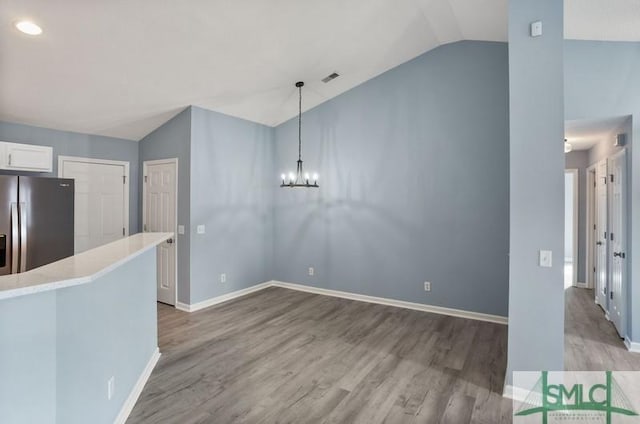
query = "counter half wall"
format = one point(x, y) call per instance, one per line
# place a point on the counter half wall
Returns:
point(60, 347)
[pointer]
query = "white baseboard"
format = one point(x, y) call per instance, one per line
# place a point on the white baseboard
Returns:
point(137, 389)
point(183, 306)
point(345, 295)
point(219, 299)
point(631, 346)
point(397, 303)
point(581, 285)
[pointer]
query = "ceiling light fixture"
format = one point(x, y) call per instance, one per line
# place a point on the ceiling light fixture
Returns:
point(567, 146)
point(28, 27)
point(300, 178)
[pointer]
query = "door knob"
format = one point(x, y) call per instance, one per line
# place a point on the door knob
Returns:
point(599, 243)
point(620, 255)
point(170, 241)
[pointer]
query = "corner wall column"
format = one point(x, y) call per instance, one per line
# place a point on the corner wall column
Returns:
point(536, 172)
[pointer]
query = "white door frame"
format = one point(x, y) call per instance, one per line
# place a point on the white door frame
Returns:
point(125, 164)
point(576, 216)
point(145, 164)
point(590, 223)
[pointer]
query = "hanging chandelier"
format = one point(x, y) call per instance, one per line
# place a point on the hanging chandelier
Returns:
point(300, 178)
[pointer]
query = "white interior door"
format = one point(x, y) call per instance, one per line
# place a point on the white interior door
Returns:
point(617, 228)
point(601, 235)
point(101, 200)
point(590, 272)
point(159, 215)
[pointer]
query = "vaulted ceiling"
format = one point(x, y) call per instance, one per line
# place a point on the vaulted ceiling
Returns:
point(121, 68)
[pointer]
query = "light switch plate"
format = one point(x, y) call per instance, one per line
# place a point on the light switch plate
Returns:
point(545, 259)
point(536, 29)
point(200, 229)
point(180, 229)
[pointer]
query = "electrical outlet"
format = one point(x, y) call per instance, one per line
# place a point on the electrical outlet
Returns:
point(180, 229)
point(111, 387)
point(200, 229)
point(427, 286)
point(545, 258)
point(536, 29)
point(223, 278)
point(311, 271)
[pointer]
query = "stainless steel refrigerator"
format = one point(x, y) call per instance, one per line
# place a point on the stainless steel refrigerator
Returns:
point(36, 222)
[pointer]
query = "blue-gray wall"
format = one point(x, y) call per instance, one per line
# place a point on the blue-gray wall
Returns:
point(104, 329)
point(579, 160)
point(413, 169)
point(232, 181)
point(173, 140)
point(224, 183)
point(602, 80)
point(67, 143)
point(536, 125)
point(28, 359)
point(58, 349)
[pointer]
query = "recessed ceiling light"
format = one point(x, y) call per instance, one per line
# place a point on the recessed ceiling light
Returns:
point(28, 27)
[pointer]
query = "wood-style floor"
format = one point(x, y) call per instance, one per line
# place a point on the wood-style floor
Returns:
point(282, 356)
point(591, 342)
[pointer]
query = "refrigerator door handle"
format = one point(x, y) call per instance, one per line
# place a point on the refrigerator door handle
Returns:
point(15, 238)
point(23, 237)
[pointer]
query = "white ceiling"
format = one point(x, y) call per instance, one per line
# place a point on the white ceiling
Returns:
point(609, 20)
point(584, 134)
point(122, 68)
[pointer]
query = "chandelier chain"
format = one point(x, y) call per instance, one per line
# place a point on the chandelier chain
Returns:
point(300, 123)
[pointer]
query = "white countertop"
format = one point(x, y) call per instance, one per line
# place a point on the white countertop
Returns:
point(81, 268)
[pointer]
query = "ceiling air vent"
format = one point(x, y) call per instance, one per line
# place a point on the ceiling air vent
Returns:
point(330, 77)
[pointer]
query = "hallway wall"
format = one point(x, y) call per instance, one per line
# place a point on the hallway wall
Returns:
point(603, 79)
point(579, 159)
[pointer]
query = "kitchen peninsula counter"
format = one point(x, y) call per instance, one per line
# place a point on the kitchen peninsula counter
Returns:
point(78, 269)
point(79, 337)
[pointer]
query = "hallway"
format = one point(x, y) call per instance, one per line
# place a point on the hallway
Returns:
point(591, 342)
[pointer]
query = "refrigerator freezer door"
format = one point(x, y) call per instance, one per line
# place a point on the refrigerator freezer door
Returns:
point(8, 244)
point(46, 211)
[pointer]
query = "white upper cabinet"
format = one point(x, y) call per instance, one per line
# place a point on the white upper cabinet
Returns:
point(26, 157)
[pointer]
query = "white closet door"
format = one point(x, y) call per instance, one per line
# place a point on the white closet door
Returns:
point(100, 202)
point(617, 220)
point(601, 236)
point(160, 216)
